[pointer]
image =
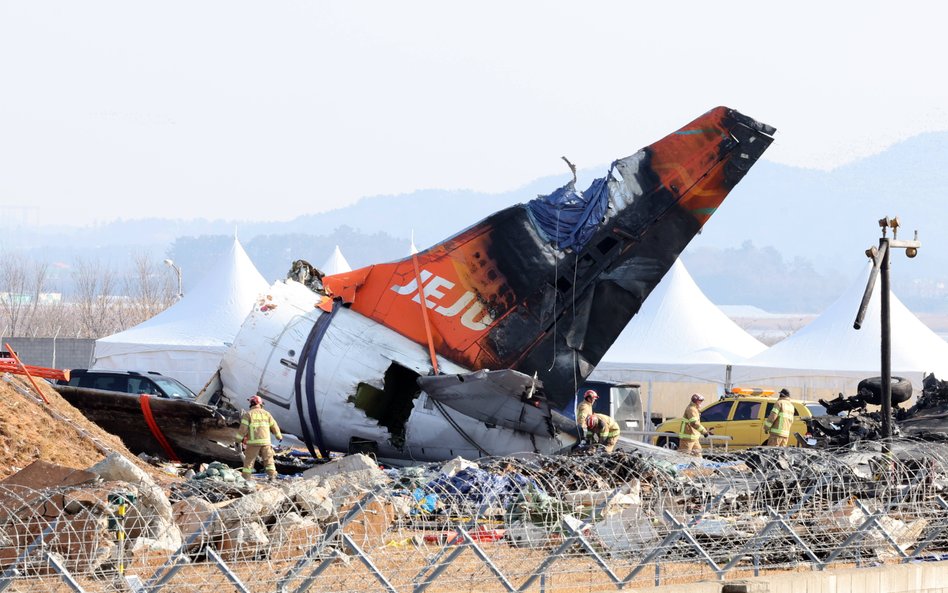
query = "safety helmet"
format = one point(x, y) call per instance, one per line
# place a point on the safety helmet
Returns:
point(592, 421)
point(255, 401)
point(784, 393)
point(697, 398)
point(590, 394)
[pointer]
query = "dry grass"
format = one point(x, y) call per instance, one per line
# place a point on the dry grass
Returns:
point(58, 433)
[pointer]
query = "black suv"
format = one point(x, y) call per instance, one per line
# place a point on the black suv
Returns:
point(150, 383)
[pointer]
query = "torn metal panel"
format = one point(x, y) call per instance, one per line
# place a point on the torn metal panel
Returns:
point(193, 430)
point(502, 398)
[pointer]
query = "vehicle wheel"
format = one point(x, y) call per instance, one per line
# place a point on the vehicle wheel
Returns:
point(901, 390)
point(668, 443)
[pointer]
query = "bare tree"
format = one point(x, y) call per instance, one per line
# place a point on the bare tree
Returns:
point(56, 318)
point(21, 282)
point(96, 306)
point(150, 289)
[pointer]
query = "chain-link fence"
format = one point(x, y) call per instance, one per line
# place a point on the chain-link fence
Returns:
point(576, 523)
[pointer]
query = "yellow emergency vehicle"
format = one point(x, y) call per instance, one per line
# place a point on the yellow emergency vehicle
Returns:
point(740, 414)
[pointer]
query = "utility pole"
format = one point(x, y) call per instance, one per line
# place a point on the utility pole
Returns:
point(880, 261)
point(177, 271)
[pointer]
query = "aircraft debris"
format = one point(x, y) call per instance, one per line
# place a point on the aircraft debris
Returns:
point(308, 275)
point(173, 428)
point(387, 359)
point(850, 421)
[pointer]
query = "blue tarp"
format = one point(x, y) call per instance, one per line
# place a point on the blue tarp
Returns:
point(476, 486)
point(568, 217)
point(424, 502)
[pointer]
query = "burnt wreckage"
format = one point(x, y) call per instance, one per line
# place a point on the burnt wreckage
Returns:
point(849, 420)
point(473, 346)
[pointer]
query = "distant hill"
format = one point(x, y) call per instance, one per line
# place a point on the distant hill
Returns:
point(786, 239)
point(832, 217)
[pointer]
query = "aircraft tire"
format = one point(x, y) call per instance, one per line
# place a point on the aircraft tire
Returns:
point(901, 390)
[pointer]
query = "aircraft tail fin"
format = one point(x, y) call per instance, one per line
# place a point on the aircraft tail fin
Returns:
point(546, 287)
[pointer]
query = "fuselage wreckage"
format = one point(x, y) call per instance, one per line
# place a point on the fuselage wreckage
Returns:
point(473, 346)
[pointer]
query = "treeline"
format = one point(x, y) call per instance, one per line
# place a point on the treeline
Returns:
point(764, 278)
point(101, 298)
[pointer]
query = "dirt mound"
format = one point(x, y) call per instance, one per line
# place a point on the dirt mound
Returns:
point(58, 433)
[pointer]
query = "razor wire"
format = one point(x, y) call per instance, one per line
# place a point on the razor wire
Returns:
point(576, 523)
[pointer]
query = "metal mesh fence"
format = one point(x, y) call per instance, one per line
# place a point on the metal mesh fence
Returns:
point(577, 523)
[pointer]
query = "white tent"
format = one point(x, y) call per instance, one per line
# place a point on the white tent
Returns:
point(187, 340)
point(336, 264)
point(831, 356)
point(679, 335)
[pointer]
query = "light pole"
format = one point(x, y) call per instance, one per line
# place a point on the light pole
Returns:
point(177, 271)
point(880, 261)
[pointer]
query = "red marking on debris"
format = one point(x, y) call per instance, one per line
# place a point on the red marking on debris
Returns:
point(479, 534)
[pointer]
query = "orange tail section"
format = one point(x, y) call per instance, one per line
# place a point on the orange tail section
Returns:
point(547, 286)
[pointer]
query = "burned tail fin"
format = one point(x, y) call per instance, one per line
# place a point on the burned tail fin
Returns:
point(547, 286)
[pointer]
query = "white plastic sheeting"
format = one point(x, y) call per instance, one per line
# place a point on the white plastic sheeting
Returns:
point(679, 335)
point(187, 340)
point(829, 354)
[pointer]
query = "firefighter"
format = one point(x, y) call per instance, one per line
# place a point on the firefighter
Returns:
point(255, 428)
point(586, 407)
point(604, 429)
point(690, 430)
point(779, 420)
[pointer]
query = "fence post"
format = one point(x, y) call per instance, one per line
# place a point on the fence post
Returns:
point(54, 346)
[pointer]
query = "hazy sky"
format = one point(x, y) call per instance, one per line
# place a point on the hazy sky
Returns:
point(268, 110)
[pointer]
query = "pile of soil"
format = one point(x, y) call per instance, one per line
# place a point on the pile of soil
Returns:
point(31, 430)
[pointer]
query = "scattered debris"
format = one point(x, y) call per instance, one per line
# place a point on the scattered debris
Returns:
point(849, 420)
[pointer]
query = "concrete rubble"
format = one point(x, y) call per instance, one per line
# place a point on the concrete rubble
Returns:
point(161, 533)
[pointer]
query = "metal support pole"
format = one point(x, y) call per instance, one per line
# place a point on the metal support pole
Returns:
point(12, 571)
point(54, 346)
point(880, 263)
point(173, 564)
point(64, 574)
point(231, 576)
point(886, 343)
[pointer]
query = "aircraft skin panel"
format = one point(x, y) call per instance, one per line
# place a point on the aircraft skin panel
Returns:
point(354, 350)
point(361, 352)
point(245, 362)
point(502, 294)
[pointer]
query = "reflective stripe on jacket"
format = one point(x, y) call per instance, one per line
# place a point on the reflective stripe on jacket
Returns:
point(690, 428)
point(780, 419)
point(256, 425)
